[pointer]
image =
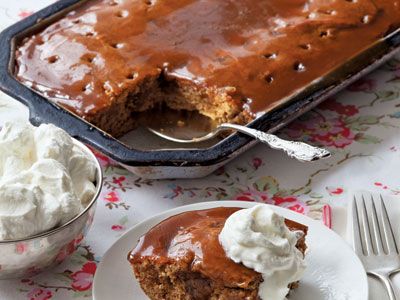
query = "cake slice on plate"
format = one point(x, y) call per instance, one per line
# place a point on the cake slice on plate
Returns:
point(221, 253)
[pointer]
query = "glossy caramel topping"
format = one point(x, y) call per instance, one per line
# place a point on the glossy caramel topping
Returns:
point(263, 50)
point(192, 238)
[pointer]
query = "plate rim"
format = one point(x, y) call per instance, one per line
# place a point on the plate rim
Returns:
point(223, 203)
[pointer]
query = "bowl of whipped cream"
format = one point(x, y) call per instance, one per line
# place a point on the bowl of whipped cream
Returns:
point(49, 185)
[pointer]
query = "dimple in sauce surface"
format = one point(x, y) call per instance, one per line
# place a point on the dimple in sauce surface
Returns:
point(265, 50)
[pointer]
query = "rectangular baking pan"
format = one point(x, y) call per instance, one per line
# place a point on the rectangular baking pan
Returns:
point(174, 163)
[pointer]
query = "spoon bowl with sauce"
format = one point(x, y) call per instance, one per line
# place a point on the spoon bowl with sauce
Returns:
point(194, 128)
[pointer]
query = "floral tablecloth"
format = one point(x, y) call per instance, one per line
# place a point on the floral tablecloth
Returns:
point(360, 126)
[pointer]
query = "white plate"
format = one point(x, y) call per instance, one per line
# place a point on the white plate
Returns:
point(334, 272)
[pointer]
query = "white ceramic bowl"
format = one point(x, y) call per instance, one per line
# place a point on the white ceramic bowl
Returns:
point(29, 256)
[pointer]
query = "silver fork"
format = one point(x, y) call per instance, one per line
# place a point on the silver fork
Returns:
point(374, 241)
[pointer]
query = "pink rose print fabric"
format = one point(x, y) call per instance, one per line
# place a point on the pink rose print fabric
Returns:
point(83, 279)
point(40, 294)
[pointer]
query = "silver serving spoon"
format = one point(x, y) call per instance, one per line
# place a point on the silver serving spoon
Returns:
point(298, 150)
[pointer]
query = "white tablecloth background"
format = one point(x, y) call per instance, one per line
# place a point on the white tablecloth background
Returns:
point(360, 126)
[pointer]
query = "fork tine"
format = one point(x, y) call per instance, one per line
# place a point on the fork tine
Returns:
point(376, 229)
point(387, 230)
point(367, 229)
point(357, 238)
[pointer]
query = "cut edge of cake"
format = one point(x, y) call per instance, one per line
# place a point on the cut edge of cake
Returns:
point(133, 108)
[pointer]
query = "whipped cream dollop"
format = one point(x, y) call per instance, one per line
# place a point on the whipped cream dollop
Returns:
point(259, 239)
point(45, 179)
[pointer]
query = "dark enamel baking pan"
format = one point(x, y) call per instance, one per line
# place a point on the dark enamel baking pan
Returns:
point(174, 163)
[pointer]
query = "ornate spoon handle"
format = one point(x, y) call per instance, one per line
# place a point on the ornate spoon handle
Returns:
point(298, 150)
